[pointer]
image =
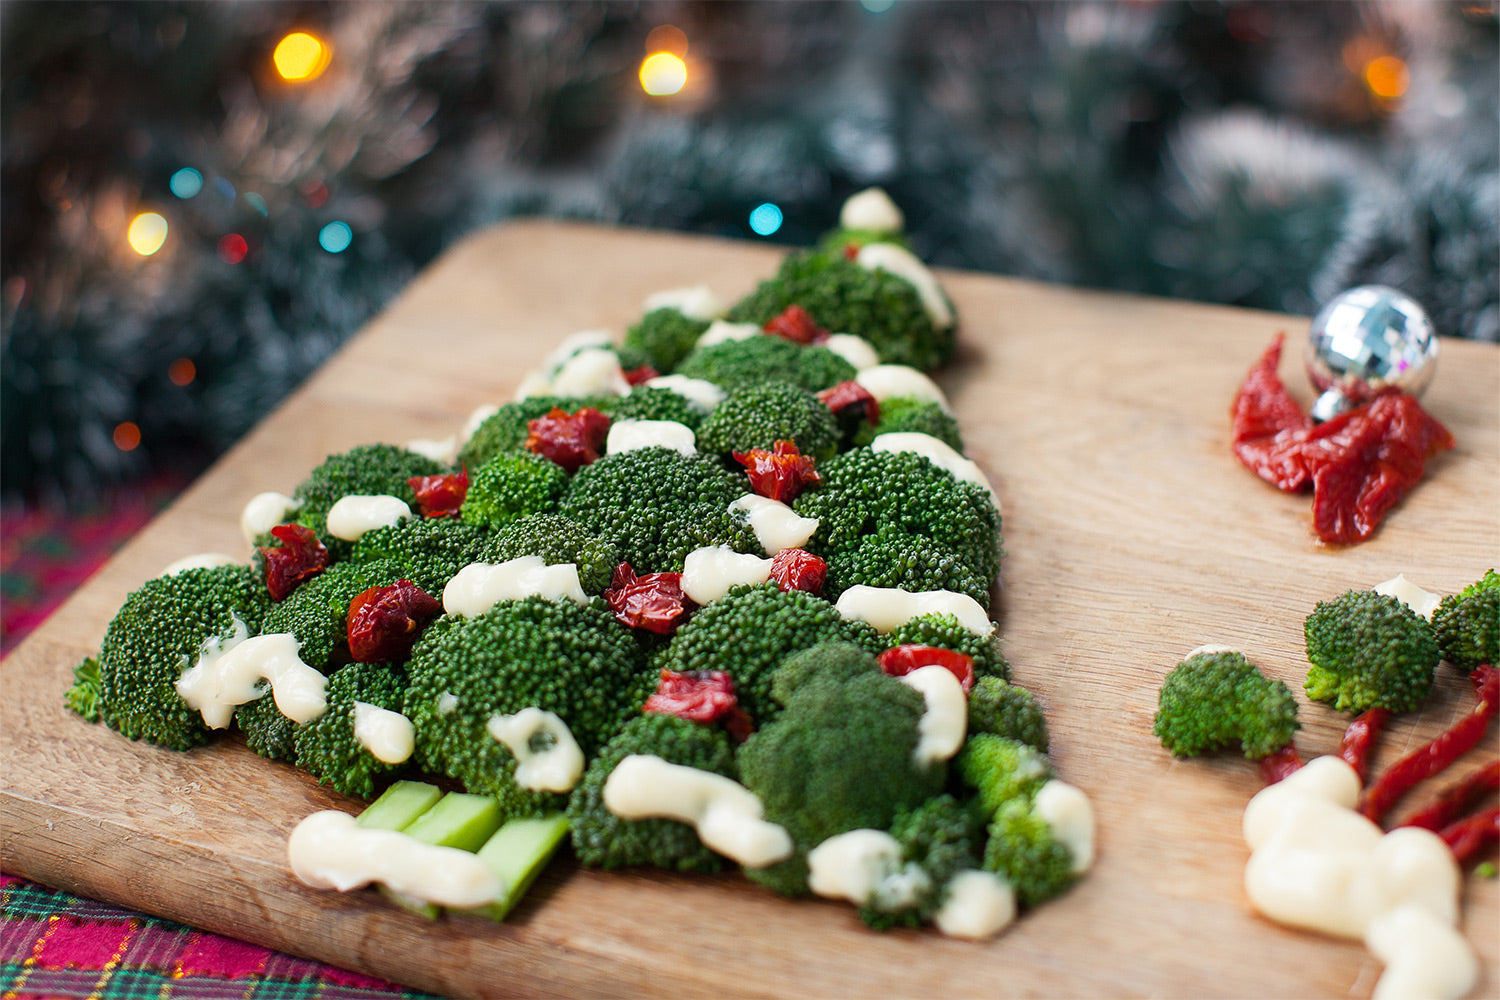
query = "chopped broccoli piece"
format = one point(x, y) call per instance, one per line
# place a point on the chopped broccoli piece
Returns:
point(843, 659)
point(327, 747)
point(758, 359)
point(556, 539)
point(1000, 769)
point(1217, 699)
point(603, 840)
point(665, 336)
point(892, 557)
point(1008, 710)
point(508, 428)
point(653, 403)
point(317, 612)
point(759, 415)
point(429, 550)
point(370, 469)
point(908, 413)
point(1467, 624)
point(947, 632)
point(941, 837)
point(1023, 849)
point(84, 697)
point(1369, 650)
point(511, 485)
point(657, 505)
point(158, 633)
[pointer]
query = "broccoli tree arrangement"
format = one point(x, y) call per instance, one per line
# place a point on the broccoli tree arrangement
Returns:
point(715, 595)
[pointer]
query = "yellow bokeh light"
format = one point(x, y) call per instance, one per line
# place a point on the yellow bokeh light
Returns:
point(300, 57)
point(1387, 77)
point(663, 73)
point(148, 231)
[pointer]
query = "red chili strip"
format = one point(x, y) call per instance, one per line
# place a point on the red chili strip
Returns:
point(1468, 837)
point(1438, 753)
point(1268, 426)
point(1451, 804)
point(1280, 764)
point(1359, 739)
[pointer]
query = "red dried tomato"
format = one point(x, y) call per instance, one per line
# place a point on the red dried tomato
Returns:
point(300, 555)
point(652, 601)
point(641, 373)
point(441, 495)
point(799, 569)
point(898, 661)
point(851, 402)
point(797, 325)
point(1268, 426)
point(384, 622)
point(781, 474)
point(851, 250)
point(572, 440)
point(700, 696)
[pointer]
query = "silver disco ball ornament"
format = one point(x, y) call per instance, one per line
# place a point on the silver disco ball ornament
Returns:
point(1364, 340)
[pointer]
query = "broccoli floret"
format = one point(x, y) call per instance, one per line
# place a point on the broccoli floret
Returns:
point(1467, 624)
point(758, 416)
point(653, 403)
point(844, 297)
point(158, 633)
point(327, 748)
point(84, 697)
point(1023, 849)
point(429, 550)
point(317, 612)
point(603, 840)
point(508, 428)
point(843, 659)
point(748, 633)
point(370, 469)
point(512, 484)
point(758, 359)
point(940, 838)
point(1217, 699)
point(665, 336)
point(657, 505)
point(947, 632)
point(910, 414)
point(1369, 650)
point(571, 659)
point(1001, 769)
point(556, 539)
point(1008, 710)
point(894, 558)
point(836, 242)
point(864, 491)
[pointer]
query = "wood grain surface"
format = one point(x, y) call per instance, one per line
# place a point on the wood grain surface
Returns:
point(1132, 535)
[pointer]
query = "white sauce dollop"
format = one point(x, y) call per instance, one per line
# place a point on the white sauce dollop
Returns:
point(478, 587)
point(893, 381)
point(698, 302)
point(939, 453)
point(628, 435)
point(905, 265)
point(591, 372)
point(720, 331)
point(263, 512)
point(727, 815)
point(556, 768)
point(776, 525)
point(710, 571)
point(946, 719)
point(977, 905)
point(889, 608)
point(477, 417)
point(330, 850)
point(1069, 813)
point(872, 209)
point(702, 393)
point(351, 516)
point(864, 867)
point(1423, 602)
point(231, 675)
point(201, 560)
point(388, 736)
point(438, 449)
point(858, 351)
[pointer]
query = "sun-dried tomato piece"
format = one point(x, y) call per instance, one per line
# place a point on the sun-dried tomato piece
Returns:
point(384, 622)
point(1267, 425)
point(1449, 806)
point(797, 325)
point(851, 250)
point(701, 696)
point(441, 495)
point(1467, 837)
point(851, 403)
point(641, 373)
point(300, 555)
point(898, 661)
point(651, 601)
point(572, 440)
point(781, 474)
point(1280, 765)
point(799, 569)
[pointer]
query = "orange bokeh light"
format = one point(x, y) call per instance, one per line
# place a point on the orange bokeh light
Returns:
point(182, 371)
point(1387, 77)
point(127, 436)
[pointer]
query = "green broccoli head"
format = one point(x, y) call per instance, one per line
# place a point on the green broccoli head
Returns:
point(657, 505)
point(759, 415)
point(1024, 851)
point(653, 403)
point(571, 659)
point(947, 632)
point(603, 840)
point(1001, 769)
point(839, 757)
point(864, 491)
point(1467, 624)
point(894, 558)
point(940, 837)
point(1369, 650)
point(327, 747)
point(317, 612)
point(1009, 710)
point(911, 414)
point(844, 297)
point(748, 633)
point(1217, 699)
point(556, 539)
point(836, 242)
point(158, 633)
point(510, 485)
point(365, 470)
point(665, 336)
point(843, 659)
point(509, 427)
point(428, 550)
point(757, 359)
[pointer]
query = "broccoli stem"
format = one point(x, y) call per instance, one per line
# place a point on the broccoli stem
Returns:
point(517, 853)
point(399, 806)
point(1359, 739)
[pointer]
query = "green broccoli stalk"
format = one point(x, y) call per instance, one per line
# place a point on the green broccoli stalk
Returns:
point(555, 539)
point(512, 485)
point(759, 415)
point(1008, 710)
point(365, 470)
point(938, 838)
point(1467, 624)
point(158, 633)
point(428, 550)
point(1369, 650)
point(757, 359)
point(892, 557)
point(947, 632)
point(604, 840)
point(665, 336)
point(328, 748)
point(909, 413)
point(1217, 699)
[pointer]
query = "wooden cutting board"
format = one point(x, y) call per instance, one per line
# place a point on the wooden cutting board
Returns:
point(1132, 536)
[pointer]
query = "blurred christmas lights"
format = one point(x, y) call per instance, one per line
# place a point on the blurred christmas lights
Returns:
point(335, 237)
point(182, 371)
point(186, 183)
point(765, 219)
point(233, 248)
point(127, 436)
point(300, 57)
point(148, 231)
point(1387, 77)
point(663, 74)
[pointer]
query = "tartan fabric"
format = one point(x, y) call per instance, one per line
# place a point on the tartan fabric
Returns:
point(53, 944)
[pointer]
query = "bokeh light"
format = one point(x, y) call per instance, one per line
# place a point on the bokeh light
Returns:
point(300, 57)
point(127, 436)
point(148, 232)
point(1387, 77)
point(765, 219)
point(182, 371)
point(186, 183)
point(233, 248)
point(335, 237)
point(667, 38)
point(663, 74)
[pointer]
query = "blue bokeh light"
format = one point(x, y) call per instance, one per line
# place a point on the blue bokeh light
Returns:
point(186, 183)
point(765, 219)
point(335, 237)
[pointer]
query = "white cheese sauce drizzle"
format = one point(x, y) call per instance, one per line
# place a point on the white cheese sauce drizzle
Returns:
point(556, 766)
point(888, 608)
point(776, 525)
point(1423, 602)
point(231, 673)
point(629, 435)
point(858, 351)
point(698, 302)
point(976, 906)
point(896, 381)
point(939, 453)
point(478, 587)
point(710, 571)
point(865, 867)
point(351, 516)
point(946, 718)
point(702, 393)
point(721, 331)
point(200, 560)
point(905, 265)
point(872, 210)
point(1070, 814)
point(387, 736)
point(263, 512)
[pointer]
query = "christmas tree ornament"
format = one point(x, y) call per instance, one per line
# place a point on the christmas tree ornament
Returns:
point(1367, 339)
